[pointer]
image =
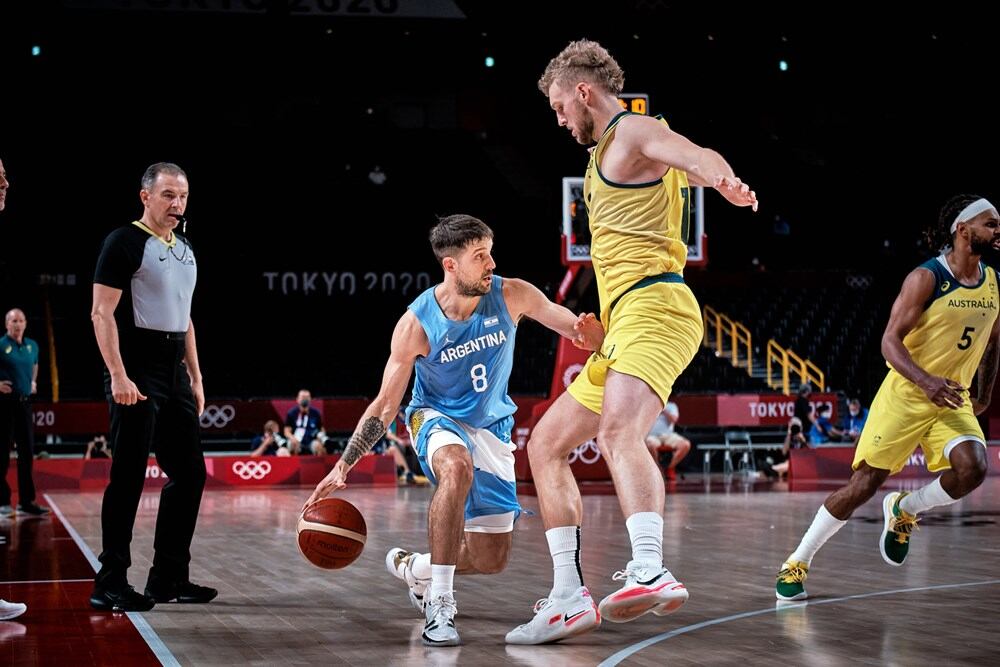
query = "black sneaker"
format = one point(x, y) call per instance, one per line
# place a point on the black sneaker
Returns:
point(125, 599)
point(184, 592)
point(33, 509)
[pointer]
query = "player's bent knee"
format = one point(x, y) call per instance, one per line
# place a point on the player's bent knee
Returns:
point(453, 469)
point(971, 476)
point(489, 552)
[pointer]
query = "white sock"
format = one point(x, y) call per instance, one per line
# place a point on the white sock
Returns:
point(442, 581)
point(421, 566)
point(823, 527)
point(646, 532)
point(926, 497)
point(564, 546)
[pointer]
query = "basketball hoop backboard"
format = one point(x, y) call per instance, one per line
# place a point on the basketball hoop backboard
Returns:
point(576, 226)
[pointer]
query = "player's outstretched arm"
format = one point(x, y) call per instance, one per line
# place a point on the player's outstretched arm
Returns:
point(525, 300)
point(705, 167)
point(408, 342)
point(906, 311)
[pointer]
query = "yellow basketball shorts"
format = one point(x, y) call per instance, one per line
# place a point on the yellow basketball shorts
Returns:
point(653, 333)
point(902, 418)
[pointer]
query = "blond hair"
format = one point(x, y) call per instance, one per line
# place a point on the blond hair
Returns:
point(583, 60)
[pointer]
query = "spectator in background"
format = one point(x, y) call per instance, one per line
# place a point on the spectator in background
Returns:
point(97, 448)
point(803, 407)
point(794, 439)
point(854, 421)
point(400, 447)
point(18, 382)
point(304, 427)
point(270, 442)
point(823, 431)
point(663, 437)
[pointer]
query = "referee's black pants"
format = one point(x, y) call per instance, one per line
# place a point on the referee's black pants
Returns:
point(168, 421)
point(17, 426)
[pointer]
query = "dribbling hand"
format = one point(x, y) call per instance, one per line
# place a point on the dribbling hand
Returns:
point(334, 481)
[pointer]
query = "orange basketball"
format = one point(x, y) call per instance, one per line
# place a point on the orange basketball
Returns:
point(332, 533)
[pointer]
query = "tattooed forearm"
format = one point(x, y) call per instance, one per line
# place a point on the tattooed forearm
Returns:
point(363, 440)
point(988, 372)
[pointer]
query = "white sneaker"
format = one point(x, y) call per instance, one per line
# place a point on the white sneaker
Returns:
point(9, 610)
point(646, 589)
point(6, 510)
point(400, 565)
point(557, 618)
point(439, 630)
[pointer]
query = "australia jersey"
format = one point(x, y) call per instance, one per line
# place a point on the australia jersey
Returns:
point(636, 229)
point(465, 375)
point(951, 335)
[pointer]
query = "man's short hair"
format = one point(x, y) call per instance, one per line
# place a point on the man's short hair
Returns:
point(452, 233)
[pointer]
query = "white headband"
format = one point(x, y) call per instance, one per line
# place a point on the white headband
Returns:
point(971, 211)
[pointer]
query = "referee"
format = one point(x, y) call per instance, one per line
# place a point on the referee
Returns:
point(143, 286)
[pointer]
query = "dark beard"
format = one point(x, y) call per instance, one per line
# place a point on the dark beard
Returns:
point(471, 289)
point(981, 247)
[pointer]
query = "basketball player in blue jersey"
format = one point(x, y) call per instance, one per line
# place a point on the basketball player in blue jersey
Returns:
point(943, 331)
point(459, 335)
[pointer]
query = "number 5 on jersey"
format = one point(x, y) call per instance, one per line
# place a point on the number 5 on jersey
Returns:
point(966, 338)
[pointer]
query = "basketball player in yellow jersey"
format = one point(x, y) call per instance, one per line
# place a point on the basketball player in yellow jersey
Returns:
point(942, 331)
point(636, 191)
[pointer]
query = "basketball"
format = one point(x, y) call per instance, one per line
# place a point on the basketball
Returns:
point(331, 533)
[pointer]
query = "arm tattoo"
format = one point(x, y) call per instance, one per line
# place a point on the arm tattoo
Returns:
point(987, 372)
point(363, 439)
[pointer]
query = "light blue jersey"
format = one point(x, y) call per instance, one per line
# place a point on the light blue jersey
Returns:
point(466, 373)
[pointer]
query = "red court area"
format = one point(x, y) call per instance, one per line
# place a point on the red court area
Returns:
point(42, 566)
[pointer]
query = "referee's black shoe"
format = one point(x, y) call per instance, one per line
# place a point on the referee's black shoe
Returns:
point(33, 509)
point(124, 599)
point(183, 591)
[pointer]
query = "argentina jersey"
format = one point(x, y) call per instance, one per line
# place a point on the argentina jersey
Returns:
point(466, 373)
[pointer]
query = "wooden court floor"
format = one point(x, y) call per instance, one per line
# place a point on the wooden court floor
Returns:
point(725, 541)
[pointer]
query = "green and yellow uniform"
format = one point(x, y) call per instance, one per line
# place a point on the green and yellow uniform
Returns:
point(639, 248)
point(948, 341)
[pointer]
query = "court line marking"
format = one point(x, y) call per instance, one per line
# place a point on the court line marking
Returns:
point(148, 634)
point(628, 651)
point(44, 581)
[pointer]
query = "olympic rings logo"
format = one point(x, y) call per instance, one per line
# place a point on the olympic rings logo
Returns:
point(586, 453)
point(859, 282)
point(570, 373)
point(217, 417)
point(251, 469)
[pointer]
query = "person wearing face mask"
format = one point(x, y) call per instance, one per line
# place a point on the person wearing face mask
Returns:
point(854, 421)
point(304, 427)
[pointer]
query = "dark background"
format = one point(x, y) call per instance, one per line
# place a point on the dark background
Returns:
point(279, 119)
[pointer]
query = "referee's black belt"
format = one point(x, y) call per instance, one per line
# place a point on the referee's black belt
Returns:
point(153, 334)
